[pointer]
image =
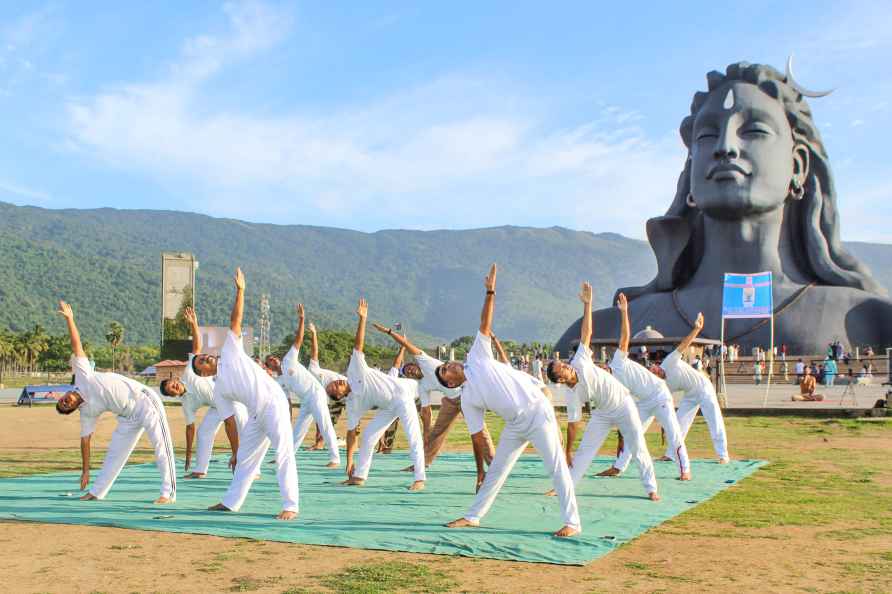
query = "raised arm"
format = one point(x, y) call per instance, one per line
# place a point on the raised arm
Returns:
point(314, 343)
point(193, 325)
point(489, 302)
point(299, 335)
point(398, 360)
point(625, 330)
point(398, 338)
point(238, 308)
point(689, 339)
point(77, 348)
point(585, 334)
point(500, 350)
point(362, 310)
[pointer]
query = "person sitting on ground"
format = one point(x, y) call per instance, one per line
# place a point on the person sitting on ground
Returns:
point(807, 388)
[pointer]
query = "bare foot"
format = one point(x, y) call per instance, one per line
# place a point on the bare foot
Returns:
point(286, 515)
point(462, 523)
point(417, 486)
point(724, 460)
point(163, 500)
point(664, 459)
point(410, 468)
point(256, 477)
point(566, 532)
point(609, 472)
point(386, 450)
point(354, 482)
point(332, 465)
point(653, 496)
point(195, 475)
point(315, 446)
point(89, 497)
point(551, 493)
point(685, 476)
point(219, 507)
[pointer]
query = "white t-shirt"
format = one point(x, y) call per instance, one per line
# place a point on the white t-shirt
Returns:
point(800, 368)
point(370, 388)
point(594, 384)
point(429, 382)
point(298, 379)
point(240, 379)
point(683, 377)
point(640, 381)
point(492, 385)
point(199, 392)
point(102, 392)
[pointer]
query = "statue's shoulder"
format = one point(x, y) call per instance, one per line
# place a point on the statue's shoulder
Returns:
point(864, 317)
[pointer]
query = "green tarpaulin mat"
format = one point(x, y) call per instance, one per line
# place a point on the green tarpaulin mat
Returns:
point(382, 514)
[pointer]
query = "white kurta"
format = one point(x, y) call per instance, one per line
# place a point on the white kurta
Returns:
point(313, 404)
point(138, 409)
point(612, 407)
point(653, 400)
point(699, 393)
point(529, 417)
point(395, 398)
point(200, 394)
point(240, 379)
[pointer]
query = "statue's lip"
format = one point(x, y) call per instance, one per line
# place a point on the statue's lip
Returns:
point(725, 168)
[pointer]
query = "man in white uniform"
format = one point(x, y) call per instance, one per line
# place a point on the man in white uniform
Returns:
point(240, 379)
point(488, 384)
point(699, 393)
point(654, 399)
point(612, 405)
point(366, 388)
point(450, 405)
point(198, 392)
point(311, 395)
point(138, 409)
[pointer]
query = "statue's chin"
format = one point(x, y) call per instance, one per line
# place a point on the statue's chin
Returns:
point(733, 208)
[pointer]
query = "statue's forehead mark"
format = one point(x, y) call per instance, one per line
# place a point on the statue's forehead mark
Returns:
point(729, 100)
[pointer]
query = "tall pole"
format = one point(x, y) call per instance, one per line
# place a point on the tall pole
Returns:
point(770, 364)
point(723, 387)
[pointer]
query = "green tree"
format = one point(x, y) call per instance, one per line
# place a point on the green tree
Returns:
point(114, 336)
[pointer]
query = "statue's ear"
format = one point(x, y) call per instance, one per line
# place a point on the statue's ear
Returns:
point(668, 237)
point(801, 163)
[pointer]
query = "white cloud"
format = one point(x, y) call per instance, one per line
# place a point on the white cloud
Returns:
point(458, 151)
point(16, 189)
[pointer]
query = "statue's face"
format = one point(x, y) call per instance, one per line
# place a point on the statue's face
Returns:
point(742, 157)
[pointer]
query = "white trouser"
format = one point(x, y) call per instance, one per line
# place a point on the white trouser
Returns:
point(663, 409)
point(149, 416)
point(539, 426)
point(708, 404)
point(270, 426)
point(207, 433)
point(315, 408)
point(404, 409)
point(625, 418)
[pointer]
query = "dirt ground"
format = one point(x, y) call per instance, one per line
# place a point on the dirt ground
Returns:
point(812, 524)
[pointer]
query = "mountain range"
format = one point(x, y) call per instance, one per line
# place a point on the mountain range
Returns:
point(107, 264)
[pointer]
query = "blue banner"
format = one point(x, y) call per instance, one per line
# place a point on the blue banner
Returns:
point(747, 295)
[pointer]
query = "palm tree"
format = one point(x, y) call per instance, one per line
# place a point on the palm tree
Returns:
point(114, 336)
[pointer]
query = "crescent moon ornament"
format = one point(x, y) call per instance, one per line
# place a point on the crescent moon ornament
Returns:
point(790, 80)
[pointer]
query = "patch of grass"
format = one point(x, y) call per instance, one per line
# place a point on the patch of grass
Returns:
point(249, 584)
point(381, 578)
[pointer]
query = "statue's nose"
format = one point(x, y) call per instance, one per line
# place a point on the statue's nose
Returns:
point(726, 146)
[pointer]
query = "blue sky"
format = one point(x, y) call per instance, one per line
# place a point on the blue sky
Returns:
point(414, 115)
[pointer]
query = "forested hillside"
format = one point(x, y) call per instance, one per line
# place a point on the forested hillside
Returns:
point(106, 262)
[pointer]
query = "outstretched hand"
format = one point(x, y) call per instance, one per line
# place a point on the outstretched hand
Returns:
point(190, 316)
point(381, 328)
point(698, 323)
point(65, 311)
point(312, 327)
point(300, 310)
point(362, 310)
point(622, 303)
point(585, 294)
point(490, 281)
point(239, 279)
